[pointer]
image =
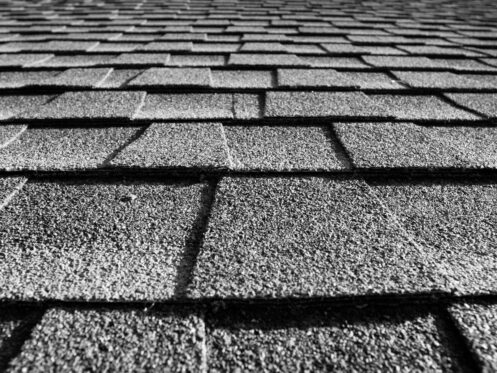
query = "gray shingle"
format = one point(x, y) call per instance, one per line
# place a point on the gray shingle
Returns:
point(304, 49)
point(271, 47)
point(107, 241)
point(20, 79)
point(453, 221)
point(349, 49)
point(186, 106)
point(179, 46)
point(172, 77)
point(400, 61)
point(77, 60)
point(9, 186)
point(141, 59)
point(216, 47)
point(278, 148)
point(367, 80)
point(478, 323)
point(483, 103)
point(177, 146)
point(104, 340)
point(118, 78)
point(24, 59)
point(9, 133)
point(321, 104)
point(312, 78)
point(115, 47)
point(247, 106)
point(440, 80)
point(307, 339)
point(188, 36)
point(49, 46)
point(88, 105)
point(333, 62)
point(241, 79)
point(266, 59)
point(197, 60)
point(63, 148)
point(285, 237)
point(438, 51)
point(80, 77)
point(406, 145)
point(13, 105)
point(420, 108)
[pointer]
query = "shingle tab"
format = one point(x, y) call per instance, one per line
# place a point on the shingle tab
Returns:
point(452, 220)
point(83, 60)
point(141, 59)
point(477, 323)
point(9, 133)
point(307, 339)
point(266, 59)
point(440, 80)
point(312, 78)
point(278, 148)
point(104, 340)
point(261, 230)
point(242, 79)
point(118, 78)
point(159, 46)
point(483, 103)
point(321, 104)
point(406, 145)
point(63, 148)
point(13, 105)
point(9, 186)
point(333, 62)
point(420, 108)
point(80, 77)
point(247, 106)
point(186, 106)
point(88, 105)
point(171, 77)
point(101, 244)
point(177, 146)
point(435, 50)
point(21, 79)
point(23, 59)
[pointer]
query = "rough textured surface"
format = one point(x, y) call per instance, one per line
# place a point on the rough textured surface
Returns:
point(113, 340)
point(88, 105)
point(420, 108)
point(304, 339)
point(96, 241)
point(10, 132)
point(483, 103)
point(13, 105)
point(324, 245)
point(177, 145)
point(321, 104)
point(186, 106)
point(454, 221)
point(278, 148)
point(48, 149)
point(478, 324)
point(242, 79)
point(163, 76)
point(9, 186)
point(406, 145)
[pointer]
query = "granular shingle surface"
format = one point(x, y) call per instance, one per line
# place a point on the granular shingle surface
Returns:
point(15, 104)
point(63, 148)
point(9, 133)
point(163, 76)
point(96, 241)
point(261, 231)
point(483, 103)
point(279, 148)
point(177, 145)
point(108, 340)
point(478, 324)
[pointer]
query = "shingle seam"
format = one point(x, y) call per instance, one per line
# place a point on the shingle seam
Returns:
point(343, 154)
point(100, 82)
point(116, 152)
point(226, 147)
point(16, 190)
point(15, 137)
point(139, 106)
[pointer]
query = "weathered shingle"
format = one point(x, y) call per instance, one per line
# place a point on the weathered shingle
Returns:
point(101, 243)
point(278, 148)
point(171, 77)
point(177, 146)
point(281, 219)
point(124, 340)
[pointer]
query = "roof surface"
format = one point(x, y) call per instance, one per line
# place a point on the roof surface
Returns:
point(278, 185)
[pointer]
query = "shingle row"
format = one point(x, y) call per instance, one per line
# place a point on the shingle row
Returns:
point(304, 338)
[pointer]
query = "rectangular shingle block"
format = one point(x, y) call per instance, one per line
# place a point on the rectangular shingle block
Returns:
point(429, 50)
point(312, 78)
point(406, 145)
point(80, 77)
point(267, 47)
point(266, 59)
point(206, 60)
point(49, 46)
point(421, 108)
point(321, 104)
point(365, 339)
point(76, 60)
point(215, 47)
point(173, 77)
point(334, 62)
point(303, 237)
point(440, 80)
point(141, 59)
point(247, 106)
point(107, 241)
point(241, 79)
point(452, 221)
point(105, 339)
point(187, 106)
point(282, 148)
point(118, 78)
point(172, 46)
point(177, 146)
point(483, 103)
point(23, 59)
point(11, 106)
point(349, 49)
point(92, 105)
point(115, 47)
point(48, 149)
point(21, 79)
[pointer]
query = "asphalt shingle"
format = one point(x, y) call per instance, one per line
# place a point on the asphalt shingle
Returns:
point(266, 59)
point(88, 105)
point(420, 108)
point(483, 103)
point(9, 133)
point(453, 221)
point(140, 59)
point(80, 77)
point(173, 77)
point(118, 78)
point(9, 186)
point(305, 339)
point(186, 106)
point(312, 78)
point(21, 79)
point(294, 237)
point(13, 105)
point(104, 340)
point(321, 104)
point(278, 148)
point(242, 79)
point(177, 146)
point(406, 145)
point(49, 149)
point(439, 80)
point(96, 241)
point(478, 323)
point(172, 46)
point(22, 59)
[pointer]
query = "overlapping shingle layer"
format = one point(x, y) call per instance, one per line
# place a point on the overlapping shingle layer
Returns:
point(242, 185)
